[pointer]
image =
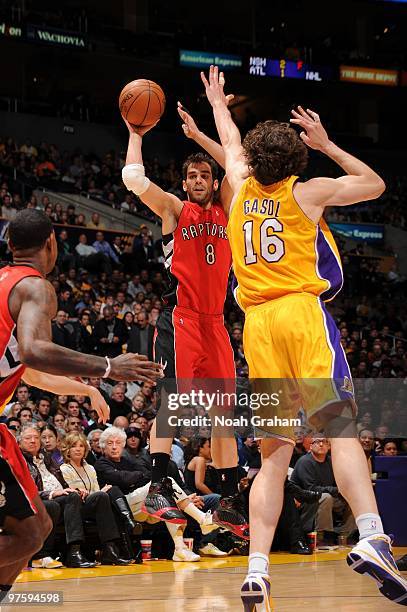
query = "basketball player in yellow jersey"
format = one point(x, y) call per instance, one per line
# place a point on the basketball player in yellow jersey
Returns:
point(287, 265)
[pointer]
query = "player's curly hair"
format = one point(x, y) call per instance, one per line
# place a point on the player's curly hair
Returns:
point(199, 158)
point(274, 151)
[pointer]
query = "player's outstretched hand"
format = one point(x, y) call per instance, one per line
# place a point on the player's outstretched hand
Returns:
point(188, 123)
point(140, 130)
point(214, 87)
point(99, 404)
point(132, 366)
point(315, 135)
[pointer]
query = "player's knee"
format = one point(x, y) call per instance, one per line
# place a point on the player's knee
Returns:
point(35, 539)
point(47, 526)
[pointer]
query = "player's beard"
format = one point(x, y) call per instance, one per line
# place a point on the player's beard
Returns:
point(201, 198)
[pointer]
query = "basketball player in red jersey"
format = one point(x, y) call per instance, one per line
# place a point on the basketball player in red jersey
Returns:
point(191, 339)
point(27, 305)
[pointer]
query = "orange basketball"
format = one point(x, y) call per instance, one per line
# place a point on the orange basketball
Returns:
point(142, 102)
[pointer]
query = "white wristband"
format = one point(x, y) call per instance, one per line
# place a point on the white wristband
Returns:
point(108, 368)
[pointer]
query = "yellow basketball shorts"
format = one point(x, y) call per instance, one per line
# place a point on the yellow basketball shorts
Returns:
point(292, 347)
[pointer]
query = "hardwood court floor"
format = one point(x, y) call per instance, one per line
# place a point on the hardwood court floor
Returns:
point(321, 582)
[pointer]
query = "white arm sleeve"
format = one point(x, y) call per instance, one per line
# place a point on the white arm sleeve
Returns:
point(134, 178)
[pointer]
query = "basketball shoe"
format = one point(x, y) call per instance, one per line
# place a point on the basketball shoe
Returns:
point(255, 593)
point(231, 514)
point(160, 503)
point(184, 554)
point(373, 556)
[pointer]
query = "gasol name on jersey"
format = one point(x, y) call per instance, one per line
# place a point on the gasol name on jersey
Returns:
point(267, 207)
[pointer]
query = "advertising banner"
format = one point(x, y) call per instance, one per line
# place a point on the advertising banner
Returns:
point(363, 232)
point(203, 59)
point(54, 36)
point(372, 76)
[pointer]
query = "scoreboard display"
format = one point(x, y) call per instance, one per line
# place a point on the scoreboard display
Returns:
point(284, 69)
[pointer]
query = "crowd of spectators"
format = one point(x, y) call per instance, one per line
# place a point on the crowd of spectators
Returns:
point(44, 165)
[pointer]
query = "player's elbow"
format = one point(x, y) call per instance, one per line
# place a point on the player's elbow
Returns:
point(30, 357)
point(377, 188)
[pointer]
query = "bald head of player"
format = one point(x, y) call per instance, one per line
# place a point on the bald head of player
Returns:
point(31, 239)
point(274, 151)
point(200, 178)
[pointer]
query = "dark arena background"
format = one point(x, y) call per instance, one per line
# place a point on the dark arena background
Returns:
point(63, 145)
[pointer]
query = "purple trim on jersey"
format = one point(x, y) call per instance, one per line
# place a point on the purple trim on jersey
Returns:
point(235, 287)
point(328, 267)
point(341, 375)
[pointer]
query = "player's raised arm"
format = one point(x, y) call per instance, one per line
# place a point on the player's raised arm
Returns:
point(159, 201)
point(62, 385)
point(361, 183)
point(191, 130)
point(235, 164)
point(213, 148)
point(32, 305)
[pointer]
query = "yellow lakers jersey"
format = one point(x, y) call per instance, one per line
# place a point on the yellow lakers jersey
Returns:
point(277, 249)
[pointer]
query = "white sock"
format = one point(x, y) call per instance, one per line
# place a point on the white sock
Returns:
point(176, 532)
point(369, 524)
point(258, 564)
point(195, 512)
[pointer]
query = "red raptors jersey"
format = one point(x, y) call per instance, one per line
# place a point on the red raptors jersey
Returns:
point(198, 260)
point(11, 369)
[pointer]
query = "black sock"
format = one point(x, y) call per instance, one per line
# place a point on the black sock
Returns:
point(4, 589)
point(160, 463)
point(228, 481)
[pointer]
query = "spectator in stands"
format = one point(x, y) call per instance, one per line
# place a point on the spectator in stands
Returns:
point(248, 450)
point(60, 333)
point(58, 420)
point(49, 443)
point(110, 334)
point(43, 408)
point(147, 390)
point(80, 220)
point(197, 457)
point(8, 211)
point(84, 341)
point(141, 337)
point(118, 403)
point(144, 253)
point(66, 302)
point(95, 222)
point(299, 448)
point(129, 322)
point(95, 451)
point(53, 488)
point(13, 424)
point(90, 259)
point(135, 286)
point(121, 422)
point(314, 472)
point(102, 246)
point(138, 403)
point(66, 258)
point(134, 447)
point(25, 416)
point(28, 149)
point(96, 501)
point(22, 394)
point(390, 448)
point(73, 424)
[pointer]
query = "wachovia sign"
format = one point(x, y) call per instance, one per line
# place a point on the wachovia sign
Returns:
point(54, 36)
